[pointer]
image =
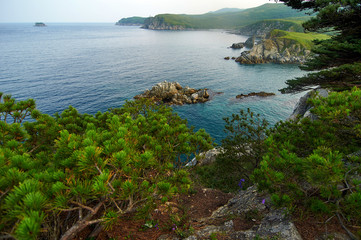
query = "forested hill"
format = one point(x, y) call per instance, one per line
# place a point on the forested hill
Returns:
point(221, 20)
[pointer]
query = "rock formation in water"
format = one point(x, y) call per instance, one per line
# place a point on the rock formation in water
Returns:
point(275, 49)
point(237, 45)
point(173, 93)
point(259, 94)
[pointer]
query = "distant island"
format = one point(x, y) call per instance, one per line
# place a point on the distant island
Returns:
point(39, 24)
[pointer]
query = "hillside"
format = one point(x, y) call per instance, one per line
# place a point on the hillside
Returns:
point(265, 26)
point(131, 21)
point(222, 20)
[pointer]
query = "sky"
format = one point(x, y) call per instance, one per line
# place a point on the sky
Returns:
point(108, 10)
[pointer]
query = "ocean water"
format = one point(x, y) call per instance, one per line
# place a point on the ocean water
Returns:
point(94, 67)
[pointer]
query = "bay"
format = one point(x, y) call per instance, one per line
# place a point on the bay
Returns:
point(97, 66)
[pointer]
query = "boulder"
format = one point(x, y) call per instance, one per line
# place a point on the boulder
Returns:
point(303, 108)
point(205, 158)
point(173, 93)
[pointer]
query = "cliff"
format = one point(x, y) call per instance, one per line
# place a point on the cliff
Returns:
point(281, 47)
point(159, 23)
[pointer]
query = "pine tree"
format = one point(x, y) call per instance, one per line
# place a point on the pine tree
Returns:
point(339, 57)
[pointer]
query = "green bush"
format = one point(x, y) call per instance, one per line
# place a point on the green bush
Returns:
point(60, 174)
point(310, 161)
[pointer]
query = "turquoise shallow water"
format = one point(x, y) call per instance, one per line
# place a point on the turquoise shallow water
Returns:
point(94, 67)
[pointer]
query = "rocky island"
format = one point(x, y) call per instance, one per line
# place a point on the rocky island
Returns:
point(39, 24)
point(172, 93)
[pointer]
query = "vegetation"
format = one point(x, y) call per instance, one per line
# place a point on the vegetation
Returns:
point(306, 40)
point(60, 174)
point(313, 163)
point(241, 153)
point(338, 57)
point(131, 21)
point(228, 20)
point(264, 26)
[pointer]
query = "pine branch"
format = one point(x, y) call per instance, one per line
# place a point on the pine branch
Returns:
point(81, 224)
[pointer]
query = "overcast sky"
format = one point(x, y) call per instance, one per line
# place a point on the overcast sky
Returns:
point(108, 10)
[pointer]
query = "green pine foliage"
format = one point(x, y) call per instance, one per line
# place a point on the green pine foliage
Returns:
point(60, 174)
point(241, 153)
point(311, 163)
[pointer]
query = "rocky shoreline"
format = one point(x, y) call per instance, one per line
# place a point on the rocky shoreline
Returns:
point(274, 49)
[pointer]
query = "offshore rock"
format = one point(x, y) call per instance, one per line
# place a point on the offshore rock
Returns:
point(237, 45)
point(172, 93)
point(259, 94)
point(274, 49)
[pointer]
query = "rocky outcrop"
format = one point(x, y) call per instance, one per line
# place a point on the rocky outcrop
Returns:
point(302, 108)
point(237, 45)
point(265, 222)
point(249, 43)
point(205, 158)
point(275, 49)
point(158, 23)
point(173, 93)
point(258, 94)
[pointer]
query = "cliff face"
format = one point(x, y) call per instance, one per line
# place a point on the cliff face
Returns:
point(275, 49)
point(158, 23)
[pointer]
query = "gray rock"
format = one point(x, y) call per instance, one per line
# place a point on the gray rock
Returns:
point(273, 49)
point(237, 45)
point(173, 93)
point(302, 108)
point(249, 43)
point(276, 224)
point(206, 158)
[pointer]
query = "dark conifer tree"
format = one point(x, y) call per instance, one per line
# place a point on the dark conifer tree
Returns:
point(338, 58)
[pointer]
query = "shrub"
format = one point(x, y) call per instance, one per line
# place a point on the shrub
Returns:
point(59, 175)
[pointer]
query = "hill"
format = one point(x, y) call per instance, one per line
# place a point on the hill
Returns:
point(131, 21)
point(221, 20)
point(265, 26)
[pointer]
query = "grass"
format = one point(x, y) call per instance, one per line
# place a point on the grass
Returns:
point(304, 39)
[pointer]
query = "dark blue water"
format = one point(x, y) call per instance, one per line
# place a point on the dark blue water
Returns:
point(94, 67)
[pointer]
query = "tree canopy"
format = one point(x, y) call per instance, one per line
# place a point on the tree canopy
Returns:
point(338, 58)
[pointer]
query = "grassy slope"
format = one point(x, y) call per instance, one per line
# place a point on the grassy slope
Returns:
point(132, 20)
point(305, 39)
point(288, 24)
point(231, 19)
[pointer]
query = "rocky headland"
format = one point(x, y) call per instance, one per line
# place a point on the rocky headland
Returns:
point(159, 23)
point(172, 93)
point(276, 48)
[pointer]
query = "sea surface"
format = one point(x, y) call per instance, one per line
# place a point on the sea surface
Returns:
point(94, 67)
